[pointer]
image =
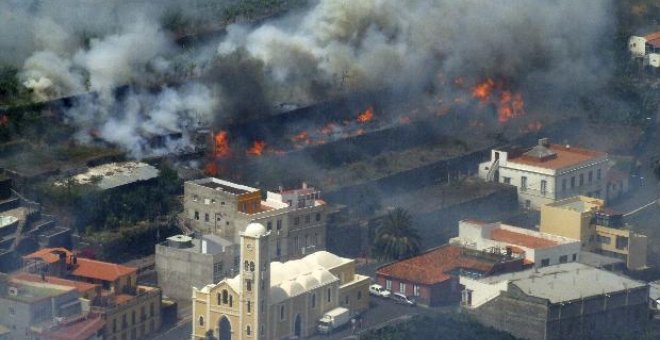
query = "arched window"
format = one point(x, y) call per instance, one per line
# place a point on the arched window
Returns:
point(281, 312)
point(231, 301)
point(225, 296)
point(248, 330)
point(219, 298)
point(201, 321)
point(329, 291)
point(314, 300)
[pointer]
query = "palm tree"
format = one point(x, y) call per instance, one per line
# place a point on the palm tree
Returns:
point(396, 237)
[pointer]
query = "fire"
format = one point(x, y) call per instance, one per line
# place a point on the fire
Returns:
point(221, 148)
point(257, 148)
point(366, 116)
point(483, 90)
point(211, 169)
point(301, 137)
point(510, 106)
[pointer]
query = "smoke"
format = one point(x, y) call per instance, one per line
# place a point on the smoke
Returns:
point(341, 46)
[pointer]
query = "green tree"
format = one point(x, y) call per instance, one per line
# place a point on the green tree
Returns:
point(396, 237)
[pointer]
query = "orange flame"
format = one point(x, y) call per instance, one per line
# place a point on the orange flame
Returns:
point(328, 129)
point(221, 146)
point(211, 169)
point(483, 90)
point(303, 136)
point(366, 116)
point(257, 148)
point(510, 106)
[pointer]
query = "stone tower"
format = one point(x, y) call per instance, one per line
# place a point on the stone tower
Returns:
point(255, 281)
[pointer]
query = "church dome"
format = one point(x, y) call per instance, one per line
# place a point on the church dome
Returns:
point(255, 230)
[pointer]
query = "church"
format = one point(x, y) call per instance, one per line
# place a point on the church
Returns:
point(274, 300)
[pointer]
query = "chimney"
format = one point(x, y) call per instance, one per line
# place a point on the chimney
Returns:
point(544, 142)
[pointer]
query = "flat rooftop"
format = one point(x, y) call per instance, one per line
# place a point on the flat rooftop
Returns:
point(218, 184)
point(112, 175)
point(29, 292)
point(214, 243)
point(566, 282)
point(516, 238)
point(580, 204)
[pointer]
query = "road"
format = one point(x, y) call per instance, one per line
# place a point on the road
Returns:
point(382, 312)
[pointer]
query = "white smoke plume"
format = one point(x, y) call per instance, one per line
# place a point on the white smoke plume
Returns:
point(370, 44)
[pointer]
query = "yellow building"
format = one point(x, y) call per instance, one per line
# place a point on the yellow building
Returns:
point(274, 300)
point(600, 230)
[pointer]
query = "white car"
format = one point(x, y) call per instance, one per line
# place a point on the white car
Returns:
point(378, 290)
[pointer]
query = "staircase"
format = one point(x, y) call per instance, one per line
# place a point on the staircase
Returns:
point(491, 171)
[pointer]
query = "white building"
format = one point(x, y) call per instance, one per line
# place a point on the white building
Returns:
point(548, 172)
point(539, 249)
point(642, 46)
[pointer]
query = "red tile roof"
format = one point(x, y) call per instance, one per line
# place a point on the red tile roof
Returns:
point(653, 39)
point(514, 238)
point(81, 287)
point(434, 266)
point(49, 255)
point(80, 329)
point(85, 268)
point(100, 270)
point(566, 157)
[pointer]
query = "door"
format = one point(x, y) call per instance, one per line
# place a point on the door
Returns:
point(297, 327)
point(225, 329)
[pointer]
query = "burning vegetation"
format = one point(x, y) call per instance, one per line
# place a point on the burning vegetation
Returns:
point(509, 104)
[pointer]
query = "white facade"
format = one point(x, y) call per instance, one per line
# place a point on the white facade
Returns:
point(540, 248)
point(652, 59)
point(637, 46)
point(564, 172)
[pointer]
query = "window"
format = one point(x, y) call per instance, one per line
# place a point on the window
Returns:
point(506, 180)
point(563, 184)
point(12, 312)
point(316, 238)
point(206, 217)
point(402, 288)
point(590, 177)
point(388, 284)
point(278, 249)
point(314, 300)
point(248, 283)
point(248, 330)
point(621, 242)
point(295, 242)
point(572, 182)
point(563, 259)
point(151, 309)
point(329, 294)
point(523, 183)
point(207, 201)
point(544, 186)
point(124, 323)
point(581, 179)
point(133, 318)
point(346, 300)
point(225, 297)
point(603, 239)
point(249, 306)
point(308, 218)
point(231, 301)
point(196, 215)
point(574, 257)
point(415, 290)
point(296, 220)
point(114, 325)
point(279, 224)
point(598, 175)
point(195, 198)
point(318, 217)
point(281, 312)
point(269, 225)
point(359, 295)
point(201, 321)
point(545, 262)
